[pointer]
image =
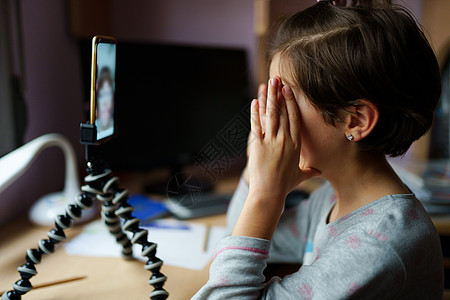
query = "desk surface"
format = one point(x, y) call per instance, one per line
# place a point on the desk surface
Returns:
point(106, 278)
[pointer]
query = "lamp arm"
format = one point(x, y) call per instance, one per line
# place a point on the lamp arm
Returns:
point(15, 163)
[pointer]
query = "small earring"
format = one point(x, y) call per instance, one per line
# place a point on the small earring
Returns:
point(349, 137)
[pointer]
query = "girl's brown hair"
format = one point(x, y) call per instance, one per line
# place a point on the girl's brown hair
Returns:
point(340, 55)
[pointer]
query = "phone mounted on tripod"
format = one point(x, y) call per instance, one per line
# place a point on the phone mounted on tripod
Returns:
point(100, 184)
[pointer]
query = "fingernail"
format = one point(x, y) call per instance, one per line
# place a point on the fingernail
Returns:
point(287, 90)
point(274, 82)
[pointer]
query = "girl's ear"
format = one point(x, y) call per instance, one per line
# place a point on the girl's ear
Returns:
point(361, 120)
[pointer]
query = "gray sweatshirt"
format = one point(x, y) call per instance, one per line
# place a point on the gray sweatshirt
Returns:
point(387, 249)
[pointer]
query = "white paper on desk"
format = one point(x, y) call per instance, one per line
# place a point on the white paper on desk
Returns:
point(176, 247)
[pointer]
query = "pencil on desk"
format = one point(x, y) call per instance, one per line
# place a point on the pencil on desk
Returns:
point(206, 240)
point(53, 283)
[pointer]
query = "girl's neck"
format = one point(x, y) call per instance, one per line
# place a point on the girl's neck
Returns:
point(362, 181)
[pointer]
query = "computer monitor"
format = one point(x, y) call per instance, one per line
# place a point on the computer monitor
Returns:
point(177, 105)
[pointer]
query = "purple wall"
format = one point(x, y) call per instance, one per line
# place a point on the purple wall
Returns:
point(53, 99)
point(203, 22)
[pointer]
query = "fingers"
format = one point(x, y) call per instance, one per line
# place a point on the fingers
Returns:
point(262, 100)
point(272, 116)
point(283, 127)
point(293, 113)
point(255, 121)
point(278, 110)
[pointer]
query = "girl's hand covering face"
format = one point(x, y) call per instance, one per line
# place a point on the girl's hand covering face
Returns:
point(275, 144)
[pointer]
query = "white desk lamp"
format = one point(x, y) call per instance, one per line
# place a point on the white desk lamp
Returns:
point(14, 164)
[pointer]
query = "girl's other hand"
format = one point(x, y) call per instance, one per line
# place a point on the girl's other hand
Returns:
point(274, 146)
point(262, 100)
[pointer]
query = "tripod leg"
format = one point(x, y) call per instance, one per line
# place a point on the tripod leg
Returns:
point(46, 246)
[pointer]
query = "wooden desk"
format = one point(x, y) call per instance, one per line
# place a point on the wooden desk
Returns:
point(106, 278)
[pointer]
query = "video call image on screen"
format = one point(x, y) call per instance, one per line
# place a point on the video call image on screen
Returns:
point(105, 87)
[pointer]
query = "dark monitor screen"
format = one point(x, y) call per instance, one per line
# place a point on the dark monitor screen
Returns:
point(176, 103)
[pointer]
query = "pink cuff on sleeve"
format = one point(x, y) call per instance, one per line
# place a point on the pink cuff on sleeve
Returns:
point(255, 250)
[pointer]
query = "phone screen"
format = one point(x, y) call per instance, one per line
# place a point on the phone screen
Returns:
point(105, 73)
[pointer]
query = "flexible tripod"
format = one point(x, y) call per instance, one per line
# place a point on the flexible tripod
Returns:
point(101, 185)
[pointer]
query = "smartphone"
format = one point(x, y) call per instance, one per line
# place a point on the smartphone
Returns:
point(103, 86)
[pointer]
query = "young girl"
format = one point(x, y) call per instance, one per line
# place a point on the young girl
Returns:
point(349, 85)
